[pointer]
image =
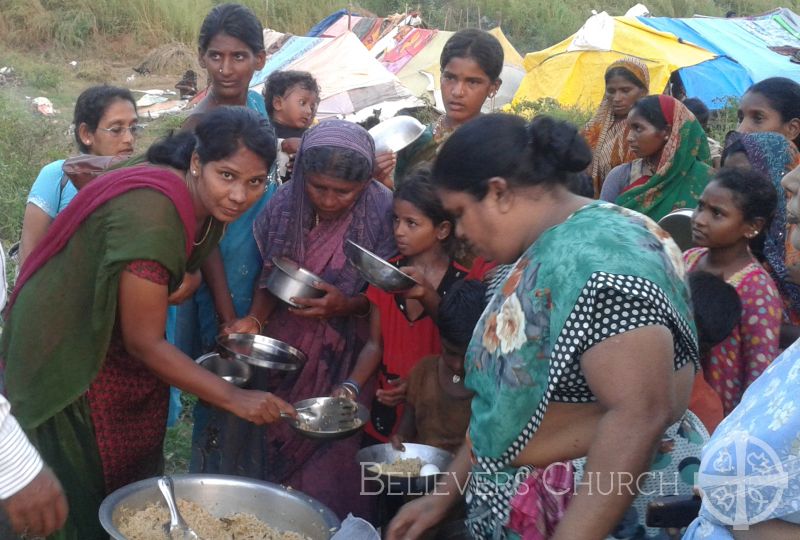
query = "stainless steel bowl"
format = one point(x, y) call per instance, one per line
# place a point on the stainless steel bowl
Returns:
point(396, 133)
point(377, 482)
point(377, 271)
point(261, 351)
point(327, 418)
point(275, 505)
point(231, 369)
point(289, 280)
point(678, 224)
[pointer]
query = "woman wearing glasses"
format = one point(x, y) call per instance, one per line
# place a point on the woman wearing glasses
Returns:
point(106, 124)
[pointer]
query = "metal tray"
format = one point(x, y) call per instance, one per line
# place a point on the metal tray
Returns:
point(377, 271)
point(324, 421)
point(261, 351)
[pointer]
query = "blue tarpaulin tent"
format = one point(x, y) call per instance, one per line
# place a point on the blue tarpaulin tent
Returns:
point(294, 48)
point(750, 49)
point(323, 25)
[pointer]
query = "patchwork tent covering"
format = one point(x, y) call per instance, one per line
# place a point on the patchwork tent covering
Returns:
point(368, 63)
point(350, 79)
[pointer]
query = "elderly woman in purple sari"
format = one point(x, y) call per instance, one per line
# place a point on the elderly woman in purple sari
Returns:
point(332, 198)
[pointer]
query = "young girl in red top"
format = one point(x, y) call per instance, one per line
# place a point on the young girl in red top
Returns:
point(402, 326)
point(735, 208)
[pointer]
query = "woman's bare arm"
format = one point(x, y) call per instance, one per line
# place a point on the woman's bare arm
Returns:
point(632, 375)
point(214, 275)
point(34, 226)
point(142, 316)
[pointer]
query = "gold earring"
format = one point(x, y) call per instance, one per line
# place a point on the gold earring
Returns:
point(194, 172)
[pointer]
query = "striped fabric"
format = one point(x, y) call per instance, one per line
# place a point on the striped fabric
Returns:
point(19, 461)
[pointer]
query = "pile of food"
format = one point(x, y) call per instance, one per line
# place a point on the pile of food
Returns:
point(327, 423)
point(148, 524)
point(400, 467)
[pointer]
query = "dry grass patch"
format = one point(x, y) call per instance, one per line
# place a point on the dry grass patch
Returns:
point(170, 59)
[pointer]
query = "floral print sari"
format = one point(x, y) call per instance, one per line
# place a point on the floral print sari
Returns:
point(603, 271)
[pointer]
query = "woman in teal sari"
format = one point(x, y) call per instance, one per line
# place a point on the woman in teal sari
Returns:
point(556, 361)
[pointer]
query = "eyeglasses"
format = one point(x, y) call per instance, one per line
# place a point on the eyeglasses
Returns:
point(117, 131)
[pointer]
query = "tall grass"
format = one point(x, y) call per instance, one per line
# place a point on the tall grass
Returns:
point(530, 24)
point(70, 24)
point(27, 142)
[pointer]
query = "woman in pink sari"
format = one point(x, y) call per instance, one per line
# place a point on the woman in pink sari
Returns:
point(331, 198)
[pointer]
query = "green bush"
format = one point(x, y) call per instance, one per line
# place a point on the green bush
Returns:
point(724, 120)
point(27, 142)
point(529, 109)
point(42, 77)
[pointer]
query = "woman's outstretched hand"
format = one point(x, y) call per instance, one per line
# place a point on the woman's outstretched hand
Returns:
point(422, 288)
point(394, 394)
point(333, 304)
point(385, 163)
point(259, 407)
point(416, 517)
point(245, 325)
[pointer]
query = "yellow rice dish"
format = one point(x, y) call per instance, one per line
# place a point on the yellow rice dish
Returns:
point(148, 524)
point(400, 467)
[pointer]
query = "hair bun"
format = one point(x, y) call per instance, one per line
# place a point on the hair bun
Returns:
point(558, 144)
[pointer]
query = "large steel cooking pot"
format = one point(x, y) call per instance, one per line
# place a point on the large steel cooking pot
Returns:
point(275, 505)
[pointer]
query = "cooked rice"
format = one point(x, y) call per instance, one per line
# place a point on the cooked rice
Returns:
point(148, 524)
point(401, 467)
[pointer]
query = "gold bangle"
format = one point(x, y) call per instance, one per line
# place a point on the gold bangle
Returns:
point(260, 327)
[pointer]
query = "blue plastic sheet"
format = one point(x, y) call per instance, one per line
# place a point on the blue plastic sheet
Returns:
point(746, 44)
point(294, 48)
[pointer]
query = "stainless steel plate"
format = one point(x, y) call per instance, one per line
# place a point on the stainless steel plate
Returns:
point(679, 226)
point(394, 134)
point(261, 351)
point(385, 453)
point(289, 280)
point(329, 418)
point(377, 271)
point(231, 369)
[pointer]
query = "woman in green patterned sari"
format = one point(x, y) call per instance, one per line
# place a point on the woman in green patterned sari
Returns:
point(586, 350)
